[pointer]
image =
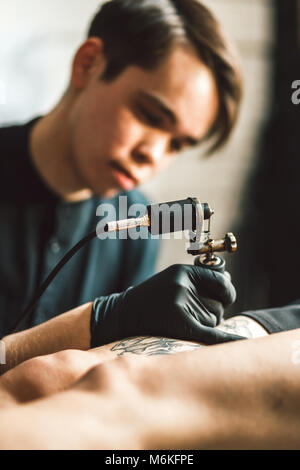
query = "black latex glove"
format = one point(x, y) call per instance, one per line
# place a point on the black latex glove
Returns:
point(184, 302)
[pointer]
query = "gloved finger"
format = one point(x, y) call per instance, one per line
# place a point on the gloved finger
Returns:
point(218, 337)
point(214, 285)
point(214, 311)
point(194, 331)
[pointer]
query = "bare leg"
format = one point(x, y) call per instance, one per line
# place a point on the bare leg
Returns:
point(43, 376)
point(46, 375)
point(236, 396)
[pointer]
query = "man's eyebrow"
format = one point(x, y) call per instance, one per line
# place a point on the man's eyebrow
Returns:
point(159, 104)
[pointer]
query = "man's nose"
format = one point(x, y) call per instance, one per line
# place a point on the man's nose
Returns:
point(150, 154)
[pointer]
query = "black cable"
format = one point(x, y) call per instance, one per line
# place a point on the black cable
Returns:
point(28, 311)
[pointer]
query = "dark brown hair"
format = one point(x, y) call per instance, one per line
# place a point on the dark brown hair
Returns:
point(142, 33)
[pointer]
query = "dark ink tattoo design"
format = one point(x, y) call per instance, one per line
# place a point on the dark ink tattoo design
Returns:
point(241, 327)
point(148, 346)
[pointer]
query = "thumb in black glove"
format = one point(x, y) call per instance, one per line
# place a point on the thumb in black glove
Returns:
point(184, 302)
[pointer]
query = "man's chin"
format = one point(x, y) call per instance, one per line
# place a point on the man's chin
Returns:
point(107, 193)
point(104, 191)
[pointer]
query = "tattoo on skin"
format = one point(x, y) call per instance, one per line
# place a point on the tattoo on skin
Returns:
point(241, 327)
point(153, 346)
point(150, 346)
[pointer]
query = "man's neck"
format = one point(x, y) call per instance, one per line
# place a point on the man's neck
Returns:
point(52, 155)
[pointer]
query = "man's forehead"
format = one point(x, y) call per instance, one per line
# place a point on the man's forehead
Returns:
point(182, 85)
point(192, 118)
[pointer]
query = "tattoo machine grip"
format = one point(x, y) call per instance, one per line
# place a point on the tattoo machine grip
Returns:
point(177, 216)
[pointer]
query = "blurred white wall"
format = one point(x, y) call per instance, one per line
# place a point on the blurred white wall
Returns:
point(38, 39)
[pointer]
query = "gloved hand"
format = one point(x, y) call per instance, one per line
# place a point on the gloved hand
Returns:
point(184, 302)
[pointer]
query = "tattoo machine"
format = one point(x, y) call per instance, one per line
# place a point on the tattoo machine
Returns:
point(183, 215)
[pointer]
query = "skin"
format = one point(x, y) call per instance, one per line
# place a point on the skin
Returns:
point(221, 397)
point(97, 124)
point(48, 374)
point(70, 330)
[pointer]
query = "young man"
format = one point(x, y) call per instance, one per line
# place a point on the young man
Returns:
point(151, 79)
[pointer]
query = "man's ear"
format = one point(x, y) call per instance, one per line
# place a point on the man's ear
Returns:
point(90, 56)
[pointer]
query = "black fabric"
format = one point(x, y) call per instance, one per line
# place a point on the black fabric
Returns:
point(275, 320)
point(37, 229)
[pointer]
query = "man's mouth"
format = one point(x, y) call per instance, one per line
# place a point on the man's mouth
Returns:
point(125, 179)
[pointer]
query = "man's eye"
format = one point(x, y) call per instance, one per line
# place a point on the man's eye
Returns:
point(175, 146)
point(150, 118)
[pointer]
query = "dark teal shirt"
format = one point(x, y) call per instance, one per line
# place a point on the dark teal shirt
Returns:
point(37, 229)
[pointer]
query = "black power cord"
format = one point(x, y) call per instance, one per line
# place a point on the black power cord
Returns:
point(29, 310)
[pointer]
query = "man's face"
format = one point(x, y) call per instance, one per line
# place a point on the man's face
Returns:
point(123, 132)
